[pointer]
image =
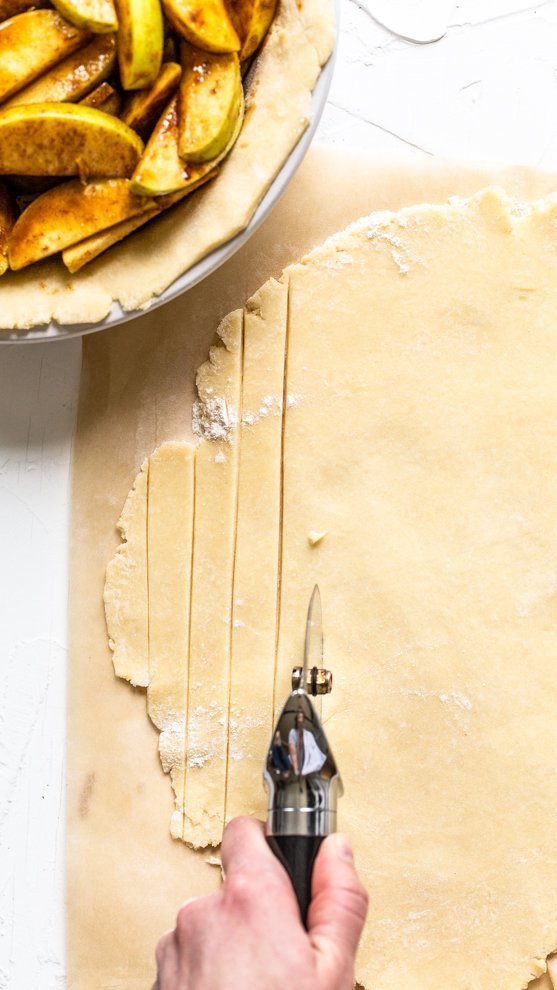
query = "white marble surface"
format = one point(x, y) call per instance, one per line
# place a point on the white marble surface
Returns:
point(486, 90)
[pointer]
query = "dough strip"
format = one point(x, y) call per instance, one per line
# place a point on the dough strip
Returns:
point(254, 611)
point(170, 501)
point(216, 419)
point(281, 522)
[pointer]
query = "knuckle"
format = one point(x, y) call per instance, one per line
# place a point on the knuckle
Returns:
point(236, 824)
point(235, 831)
point(245, 890)
point(163, 946)
point(186, 917)
point(239, 891)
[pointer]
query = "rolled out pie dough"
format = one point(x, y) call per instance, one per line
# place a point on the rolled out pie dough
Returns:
point(397, 391)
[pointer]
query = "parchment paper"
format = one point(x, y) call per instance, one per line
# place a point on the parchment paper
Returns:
point(126, 877)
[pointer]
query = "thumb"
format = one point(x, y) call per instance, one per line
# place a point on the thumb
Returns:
point(337, 911)
point(249, 863)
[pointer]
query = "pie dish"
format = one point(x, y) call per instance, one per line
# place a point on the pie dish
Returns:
point(285, 90)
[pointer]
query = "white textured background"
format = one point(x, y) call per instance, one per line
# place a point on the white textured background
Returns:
point(486, 89)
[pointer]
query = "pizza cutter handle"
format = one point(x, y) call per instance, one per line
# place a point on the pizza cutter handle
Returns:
point(297, 854)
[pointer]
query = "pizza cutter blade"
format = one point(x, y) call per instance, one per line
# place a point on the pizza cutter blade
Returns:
point(312, 675)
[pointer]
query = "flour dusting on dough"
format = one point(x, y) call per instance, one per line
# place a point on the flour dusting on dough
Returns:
point(201, 721)
point(240, 723)
point(457, 704)
point(214, 419)
point(271, 405)
point(380, 231)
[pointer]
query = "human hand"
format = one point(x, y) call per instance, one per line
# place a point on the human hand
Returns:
point(249, 936)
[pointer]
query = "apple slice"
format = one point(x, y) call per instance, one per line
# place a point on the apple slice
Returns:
point(211, 100)
point(94, 15)
point(252, 19)
point(78, 255)
point(142, 108)
point(204, 23)
point(68, 213)
point(7, 219)
point(160, 170)
point(140, 42)
point(104, 98)
point(26, 188)
point(9, 8)
point(30, 44)
point(72, 78)
point(66, 139)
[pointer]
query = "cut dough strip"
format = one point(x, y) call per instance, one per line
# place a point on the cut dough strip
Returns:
point(217, 413)
point(170, 516)
point(254, 616)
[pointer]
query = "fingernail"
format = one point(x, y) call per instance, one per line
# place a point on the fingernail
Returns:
point(343, 848)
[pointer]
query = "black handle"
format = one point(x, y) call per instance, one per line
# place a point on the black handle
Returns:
point(297, 854)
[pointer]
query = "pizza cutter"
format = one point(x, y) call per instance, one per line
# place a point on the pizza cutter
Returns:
point(300, 773)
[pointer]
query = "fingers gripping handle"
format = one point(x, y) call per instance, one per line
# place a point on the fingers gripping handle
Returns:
point(297, 854)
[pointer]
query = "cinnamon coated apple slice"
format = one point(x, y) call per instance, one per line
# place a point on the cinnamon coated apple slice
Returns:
point(140, 42)
point(69, 213)
point(78, 255)
point(104, 98)
point(160, 169)
point(30, 44)
point(72, 78)
point(204, 23)
point(142, 108)
point(93, 15)
point(66, 139)
point(252, 19)
point(211, 101)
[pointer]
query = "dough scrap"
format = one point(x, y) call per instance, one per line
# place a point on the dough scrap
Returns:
point(299, 43)
point(125, 593)
point(418, 428)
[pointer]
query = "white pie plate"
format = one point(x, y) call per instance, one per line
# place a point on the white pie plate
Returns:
point(212, 261)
